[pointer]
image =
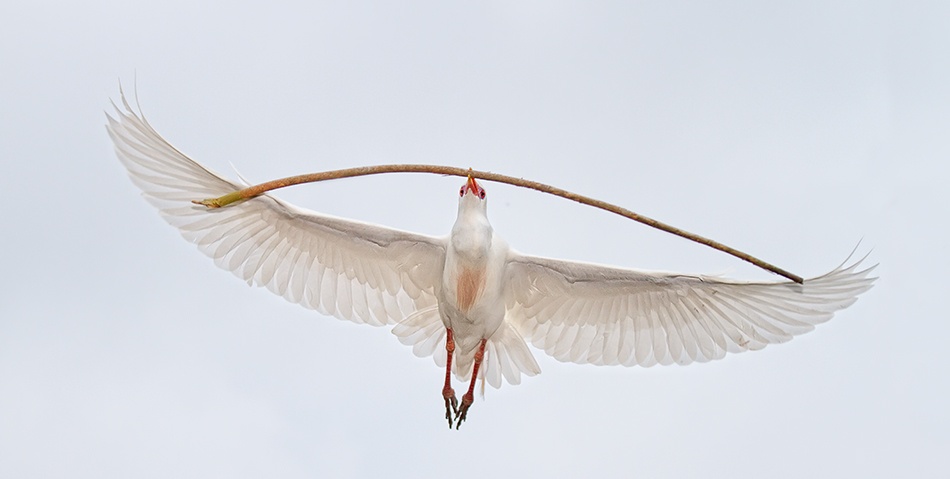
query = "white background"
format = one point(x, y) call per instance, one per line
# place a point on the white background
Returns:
point(792, 130)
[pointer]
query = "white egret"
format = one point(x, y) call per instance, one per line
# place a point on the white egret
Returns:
point(467, 299)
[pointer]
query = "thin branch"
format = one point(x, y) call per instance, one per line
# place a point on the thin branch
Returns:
point(262, 188)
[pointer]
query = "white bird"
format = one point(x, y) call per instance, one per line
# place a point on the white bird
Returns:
point(469, 291)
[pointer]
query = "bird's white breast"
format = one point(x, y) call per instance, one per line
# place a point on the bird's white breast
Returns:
point(471, 302)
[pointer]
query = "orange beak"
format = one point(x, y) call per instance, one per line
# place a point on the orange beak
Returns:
point(472, 186)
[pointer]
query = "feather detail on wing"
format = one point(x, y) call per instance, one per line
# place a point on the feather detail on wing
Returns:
point(586, 313)
point(352, 270)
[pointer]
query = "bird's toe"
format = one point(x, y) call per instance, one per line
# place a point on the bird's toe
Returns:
point(451, 405)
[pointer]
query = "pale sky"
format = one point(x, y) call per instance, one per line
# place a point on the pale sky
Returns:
point(790, 130)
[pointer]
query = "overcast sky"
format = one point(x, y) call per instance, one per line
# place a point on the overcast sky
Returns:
point(791, 131)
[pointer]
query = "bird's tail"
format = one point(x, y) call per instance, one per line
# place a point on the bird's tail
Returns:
point(506, 354)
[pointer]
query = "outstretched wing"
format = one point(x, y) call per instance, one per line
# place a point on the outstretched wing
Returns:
point(586, 313)
point(352, 270)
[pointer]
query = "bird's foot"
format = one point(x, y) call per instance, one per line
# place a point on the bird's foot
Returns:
point(467, 400)
point(451, 404)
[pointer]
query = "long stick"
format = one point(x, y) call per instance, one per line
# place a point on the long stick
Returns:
point(256, 190)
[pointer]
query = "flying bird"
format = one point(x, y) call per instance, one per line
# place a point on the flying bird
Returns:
point(467, 299)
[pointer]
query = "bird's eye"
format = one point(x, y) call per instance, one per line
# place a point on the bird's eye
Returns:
point(481, 193)
point(462, 191)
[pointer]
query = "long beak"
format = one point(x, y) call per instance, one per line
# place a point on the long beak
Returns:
point(471, 183)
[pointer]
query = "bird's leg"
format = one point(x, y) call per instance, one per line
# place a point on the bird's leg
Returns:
point(469, 397)
point(451, 404)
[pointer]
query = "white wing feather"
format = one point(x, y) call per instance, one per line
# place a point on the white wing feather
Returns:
point(352, 270)
point(585, 313)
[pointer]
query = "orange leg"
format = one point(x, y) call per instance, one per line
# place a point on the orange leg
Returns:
point(469, 397)
point(451, 404)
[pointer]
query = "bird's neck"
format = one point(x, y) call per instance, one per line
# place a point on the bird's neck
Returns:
point(471, 237)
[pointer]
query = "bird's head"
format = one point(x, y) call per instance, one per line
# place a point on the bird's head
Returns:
point(472, 232)
point(472, 189)
point(472, 199)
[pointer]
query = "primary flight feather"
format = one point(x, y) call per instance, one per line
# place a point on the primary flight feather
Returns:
point(467, 299)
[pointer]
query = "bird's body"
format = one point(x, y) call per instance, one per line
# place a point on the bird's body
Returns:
point(471, 301)
point(467, 299)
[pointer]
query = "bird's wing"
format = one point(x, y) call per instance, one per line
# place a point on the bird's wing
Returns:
point(352, 270)
point(586, 313)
